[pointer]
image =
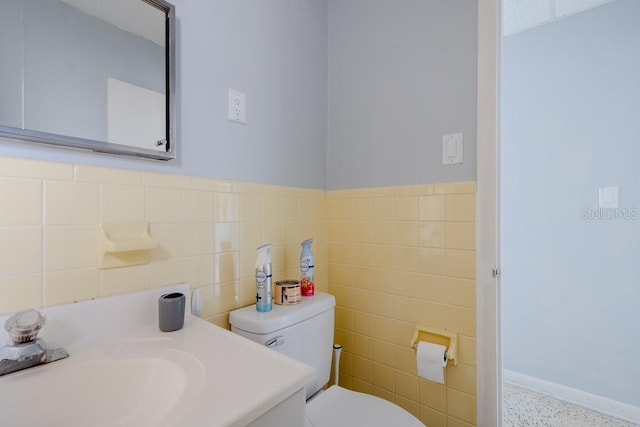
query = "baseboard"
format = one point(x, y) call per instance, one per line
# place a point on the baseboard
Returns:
point(600, 404)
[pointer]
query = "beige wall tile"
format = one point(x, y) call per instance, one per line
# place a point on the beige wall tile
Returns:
point(382, 209)
point(163, 205)
point(342, 231)
point(467, 350)
point(227, 267)
point(208, 184)
point(198, 270)
point(170, 241)
point(383, 377)
point(27, 168)
point(461, 292)
point(226, 206)
point(405, 259)
point(362, 231)
point(432, 314)
point(460, 207)
point(461, 187)
point(21, 202)
point(67, 286)
point(431, 208)
point(461, 320)
point(102, 175)
point(362, 254)
point(198, 238)
point(197, 206)
point(432, 418)
point(461, 264)
point(406, 309)
point(362, 323)
point(363, 346)
point(70, 247)
point(274, 233)
point(251, 207)
point(432, 234)
point(362, 209)
point(164, 272)
point(407, 386)
point(382, 256)
point(405, 209)
point(433, 395)
point(71, 203)
point(382, 328)
point(20, 250)
point(409, 405)
point(341, 274)
point(121, 203)
point(431, 288)
point(383, 352)
point(273, 208)
point(227, 236)
point(122, 280)
point(363, 301)
point(405, 359)
point(361, 386)
point(382, 232)
point(432, 261)
point(405, 283)
point(344, 210)
point(454, 422)
point(461, 235)
point(20, 293)
point(382, 393)
point(362, 369)
point(383, 304)
point(290, 208)
point(462, 378)
point(165, 180)
point(461, 405)
point(406, 233)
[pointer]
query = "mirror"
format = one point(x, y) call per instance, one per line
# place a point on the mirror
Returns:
point(90, 74)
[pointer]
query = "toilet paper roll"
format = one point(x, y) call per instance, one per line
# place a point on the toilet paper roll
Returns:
point(431, 358)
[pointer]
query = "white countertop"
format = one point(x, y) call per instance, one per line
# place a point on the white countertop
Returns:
point(230, 380)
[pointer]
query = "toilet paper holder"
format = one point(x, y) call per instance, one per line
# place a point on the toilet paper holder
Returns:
point(437, 336)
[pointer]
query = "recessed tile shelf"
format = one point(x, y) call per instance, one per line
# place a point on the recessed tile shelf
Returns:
point(124, 244)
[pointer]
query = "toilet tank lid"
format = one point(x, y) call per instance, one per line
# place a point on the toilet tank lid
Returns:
point(251, 320)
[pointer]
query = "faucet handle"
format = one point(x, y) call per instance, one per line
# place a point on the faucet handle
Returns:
point(23, 327)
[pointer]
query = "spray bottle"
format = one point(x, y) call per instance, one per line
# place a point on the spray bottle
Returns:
point(263, 278)
point(306, 269)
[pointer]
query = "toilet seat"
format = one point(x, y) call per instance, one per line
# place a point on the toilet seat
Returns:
point(339, 407)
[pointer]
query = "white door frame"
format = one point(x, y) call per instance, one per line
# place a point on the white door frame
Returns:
point(488, 335)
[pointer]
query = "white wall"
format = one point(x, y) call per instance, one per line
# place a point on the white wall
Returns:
point(275, 52)
point(401, 74)
point(571, 286)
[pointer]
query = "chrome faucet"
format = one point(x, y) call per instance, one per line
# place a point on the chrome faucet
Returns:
point(26, 349)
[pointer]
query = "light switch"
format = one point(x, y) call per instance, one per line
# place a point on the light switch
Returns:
point(452, 149)
point(608, 197)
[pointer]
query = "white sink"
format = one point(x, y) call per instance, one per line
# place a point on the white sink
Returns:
point(123, 371)
point(140, 390)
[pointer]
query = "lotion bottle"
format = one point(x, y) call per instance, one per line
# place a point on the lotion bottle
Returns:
point(306, 269)
point(263, 278)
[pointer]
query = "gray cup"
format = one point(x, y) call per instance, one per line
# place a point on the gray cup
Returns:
point(171, 311)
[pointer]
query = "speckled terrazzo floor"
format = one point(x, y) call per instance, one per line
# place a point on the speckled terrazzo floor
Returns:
point(524, 408)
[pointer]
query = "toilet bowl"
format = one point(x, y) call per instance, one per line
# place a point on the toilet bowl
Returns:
point(305, 333)
point(341, 407)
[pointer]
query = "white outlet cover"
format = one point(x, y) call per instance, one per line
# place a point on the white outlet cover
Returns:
point(608, 198)
point(237, 106)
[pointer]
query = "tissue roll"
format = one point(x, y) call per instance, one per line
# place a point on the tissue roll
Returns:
point(431, 360)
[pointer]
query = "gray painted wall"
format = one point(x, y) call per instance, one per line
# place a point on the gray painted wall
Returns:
point(401, 75)
point(571, 124)
point(11, 63)
point(276, 53)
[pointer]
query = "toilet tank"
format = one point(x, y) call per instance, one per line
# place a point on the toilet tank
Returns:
point(303, 331)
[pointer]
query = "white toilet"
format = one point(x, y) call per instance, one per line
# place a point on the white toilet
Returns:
point(305, 333)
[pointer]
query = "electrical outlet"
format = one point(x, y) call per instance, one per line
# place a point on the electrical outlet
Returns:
point(237, 106)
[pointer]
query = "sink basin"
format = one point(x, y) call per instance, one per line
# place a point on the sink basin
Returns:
point(123, 371)
point(151, 390)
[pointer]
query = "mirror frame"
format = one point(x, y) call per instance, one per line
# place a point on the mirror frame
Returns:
point(108, 147)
